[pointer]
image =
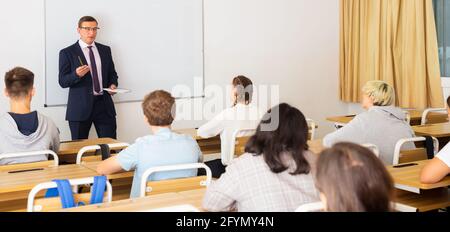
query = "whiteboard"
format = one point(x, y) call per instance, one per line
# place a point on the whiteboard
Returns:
point(156, 44)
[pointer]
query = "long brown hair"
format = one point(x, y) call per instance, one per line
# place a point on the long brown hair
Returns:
point(353, 179)
point(244, 90)
point(290, 137)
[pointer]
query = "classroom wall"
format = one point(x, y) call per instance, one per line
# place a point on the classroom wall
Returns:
point(290, 43)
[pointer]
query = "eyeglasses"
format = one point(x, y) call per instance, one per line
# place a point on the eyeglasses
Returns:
point(90, 28)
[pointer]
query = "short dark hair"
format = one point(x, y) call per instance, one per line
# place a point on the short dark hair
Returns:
point(448, 101)
point(86, 19)
point(353, 179)
point(19, 82)
point(244, 87)
point(289, 137)
point(159, 108)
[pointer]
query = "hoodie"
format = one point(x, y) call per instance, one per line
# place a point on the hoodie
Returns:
point(380, 125)
point(46, 137)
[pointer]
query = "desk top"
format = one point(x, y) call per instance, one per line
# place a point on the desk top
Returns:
point(192, 197)
point(410, 176)
point(437, 130)
point(415, 115)
point(72, 147)
point(12, 182)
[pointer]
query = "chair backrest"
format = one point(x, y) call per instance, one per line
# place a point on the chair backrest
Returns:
point(311, 129)
point(174, 185)
point(437, 119)
point(318, 207)
point(54, 203)
point(175, 208)
point(373, 148)
point(404, 156)
point(407, 116)
point(311, 207)
point(91, 148)
point(239, 138)
point(23, 166)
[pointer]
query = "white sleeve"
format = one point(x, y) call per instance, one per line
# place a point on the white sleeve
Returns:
point(213, 127)
point(444, 154)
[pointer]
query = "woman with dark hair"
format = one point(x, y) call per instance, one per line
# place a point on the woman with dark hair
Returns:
point(275, 172)
point(351, 178)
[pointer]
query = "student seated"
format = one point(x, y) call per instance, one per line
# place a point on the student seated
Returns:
point(351, 178)
point(382, 124)
point(275, 173)
point(162, 148)
point(439, 166)
point(243, 115)
point(21, 129)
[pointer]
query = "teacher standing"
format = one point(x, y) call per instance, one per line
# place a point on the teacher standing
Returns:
point(87, 67)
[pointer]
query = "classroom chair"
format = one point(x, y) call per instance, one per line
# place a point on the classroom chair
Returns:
point(405, 156)
point(54, 203)
point(425, 120)
point(239, 139)
point(86, 149)
point(373, 148)
point(319, 207)
point(311, 129)
point(24, 166)
point(174, 185)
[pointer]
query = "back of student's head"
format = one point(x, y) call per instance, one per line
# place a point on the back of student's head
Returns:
point(381, 93)
point(448, 102)
point(19, 82)
point(159, 108)
point(353, 179)
point(289, 137)
point(244, 90)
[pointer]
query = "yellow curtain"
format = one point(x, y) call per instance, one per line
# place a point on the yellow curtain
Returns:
point(394, 41)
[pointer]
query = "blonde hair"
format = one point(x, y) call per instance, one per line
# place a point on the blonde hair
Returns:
point(381, 93)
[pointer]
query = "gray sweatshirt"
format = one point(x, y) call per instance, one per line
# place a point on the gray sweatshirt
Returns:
point(380, 125)
point(46, 137)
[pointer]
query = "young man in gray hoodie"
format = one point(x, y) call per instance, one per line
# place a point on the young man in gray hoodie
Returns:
point(21, 129)
point(382, 124)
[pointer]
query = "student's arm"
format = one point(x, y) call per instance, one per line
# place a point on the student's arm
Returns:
point(124, 161)
point(67, 77)
point(221, 194)
point(434, 171)
point(109, 166)
point(351, 132)
point(213, 127)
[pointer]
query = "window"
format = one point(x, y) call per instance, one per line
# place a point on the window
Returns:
point(442, 15)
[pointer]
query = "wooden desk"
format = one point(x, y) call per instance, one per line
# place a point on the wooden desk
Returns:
point(12, 182)
point(408, 178)
point(415, 115)
point(68, 150)
point(14, 187)
point(193, 197)
point(438, 130)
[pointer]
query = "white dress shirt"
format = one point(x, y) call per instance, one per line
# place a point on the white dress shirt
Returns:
point(98, 62)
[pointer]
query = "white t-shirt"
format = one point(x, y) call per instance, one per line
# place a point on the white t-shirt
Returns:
point(444, 154)
point(229, 120)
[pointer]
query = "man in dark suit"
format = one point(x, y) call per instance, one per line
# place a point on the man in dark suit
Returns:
point(86, 67)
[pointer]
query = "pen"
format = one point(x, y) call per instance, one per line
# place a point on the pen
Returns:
point(81, 62)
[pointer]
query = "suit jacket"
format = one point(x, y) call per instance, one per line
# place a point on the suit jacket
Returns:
point(81, 97)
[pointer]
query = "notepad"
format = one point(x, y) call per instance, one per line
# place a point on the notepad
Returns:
point(117, 90)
